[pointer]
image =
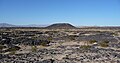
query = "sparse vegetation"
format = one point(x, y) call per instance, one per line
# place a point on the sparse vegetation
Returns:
point(33, 48)
point(44, 44)
point(104, 44)
point(12, 52)
point(61, 43)
point(85, 46)
point(92, 41)
point(115, 34)
point(72, 37)
point(63, 46)
point(50, 38)
point(2, 47)
point(15, 48)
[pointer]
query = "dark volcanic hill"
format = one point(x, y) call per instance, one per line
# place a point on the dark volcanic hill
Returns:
point(61, 26)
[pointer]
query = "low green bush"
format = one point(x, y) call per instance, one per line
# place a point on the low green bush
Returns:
point(44, 43)
point(92, 41)
point(12, 53)
point(85, 46)
point(115, 34)
point(15, 48)
point(2, 47)
point(104, 44)
point(34, 48)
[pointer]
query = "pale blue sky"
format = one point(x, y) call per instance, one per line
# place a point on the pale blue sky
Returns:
point(77, 12)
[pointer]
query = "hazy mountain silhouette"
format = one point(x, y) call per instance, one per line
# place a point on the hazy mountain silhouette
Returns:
point(6, 25)
point(30, 25)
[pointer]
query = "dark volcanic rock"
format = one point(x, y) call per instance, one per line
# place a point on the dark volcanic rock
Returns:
point(61, 26)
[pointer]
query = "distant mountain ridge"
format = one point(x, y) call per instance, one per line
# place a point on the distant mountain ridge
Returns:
point(6, 25)
point(11, 25)
point(33, 25)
